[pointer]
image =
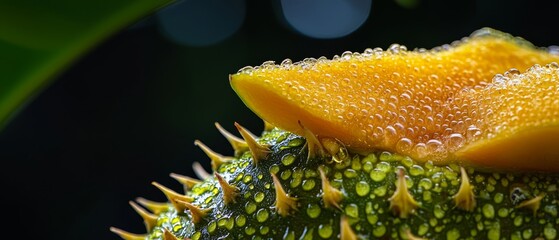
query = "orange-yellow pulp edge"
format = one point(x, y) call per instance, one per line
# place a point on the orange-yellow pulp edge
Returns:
point(449, 104)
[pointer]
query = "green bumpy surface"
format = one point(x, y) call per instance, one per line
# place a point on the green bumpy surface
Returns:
point(367, 183)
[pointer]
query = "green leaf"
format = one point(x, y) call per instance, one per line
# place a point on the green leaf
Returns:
point(38, 39)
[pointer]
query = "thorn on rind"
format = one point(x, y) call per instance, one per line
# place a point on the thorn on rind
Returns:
point(410, 235)
point(154, 207)
point(126, 235)
point(200, 171)
point(197, 213)
point(346, 233)
point(239, 145)
point(173, 197)
point(216, 158)
point(150, 220)
point(259, 152)
point(532, 204)
point(186, 181)
point(167, 235)
point(330, 195)
point(335, 148)
point(402, 203)
point(313, 144)
point(465, 198)
point(284, 203)
point(229, 191)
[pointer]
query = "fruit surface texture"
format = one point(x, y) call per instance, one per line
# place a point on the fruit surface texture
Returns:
point(457, 142)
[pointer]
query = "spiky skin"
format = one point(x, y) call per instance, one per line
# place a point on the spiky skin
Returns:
point(367, 183)
point(285, 186)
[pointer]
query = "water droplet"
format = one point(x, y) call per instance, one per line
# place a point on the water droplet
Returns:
point(286, 174)
point(346, 55)
point(258, 197)
point(262, 215)
point(362, 188)
point(322, 59)
point(390, 134)
point(313, 210)
point(384, 166)
point(488, 211)
point(240, 220)
point(308, 184)
point(352, 210)
point(503, 212)
point(420, 150)
point(385, 156)
point(473, 132)
point(405, 97)
point(286, 62)
point(379, 230)
point(425, 183)
point(494, 233)
point(309, 61)
point(267, 64)
point(250, 207)
point(434, 145)
point(196, 235)
point(246, 70)
point(438, 211)
point(230, 223)
point(274, 169)
point(247, 179)
point(498, 198)
point(289, 235)
point(250, 230)
point(416, 170)
point(221, 222)
point(551, 209)
point(512, 72)
point(550, 232)
point(264, 230)
point(499, 79)
point(518, 221)
point(325, 231)
point(433, 77)
point(368, 52)
point(295, 182)
point(453, 234)
point(350, 173)
point(527, 233)
point(406, 161)
point(372, 219)
point(287, 159)
point(396, 48)
point(377, 175)
point(380, 191)
point(211, 226)
point(455, 141)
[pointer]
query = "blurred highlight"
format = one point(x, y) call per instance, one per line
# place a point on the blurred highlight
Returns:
point(202, 23)
point(326, 19)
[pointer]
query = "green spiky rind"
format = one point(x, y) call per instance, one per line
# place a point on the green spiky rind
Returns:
point(367, 183)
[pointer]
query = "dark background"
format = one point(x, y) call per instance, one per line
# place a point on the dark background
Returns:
point(127, 112)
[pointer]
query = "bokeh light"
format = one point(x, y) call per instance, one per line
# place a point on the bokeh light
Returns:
point(326, 18)
point(202, 23)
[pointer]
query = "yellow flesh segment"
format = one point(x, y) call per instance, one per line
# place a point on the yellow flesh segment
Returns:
point(441, 105)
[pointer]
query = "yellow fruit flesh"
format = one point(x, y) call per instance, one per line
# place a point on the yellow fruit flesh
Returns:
point(533, 150)
point(437, 105)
